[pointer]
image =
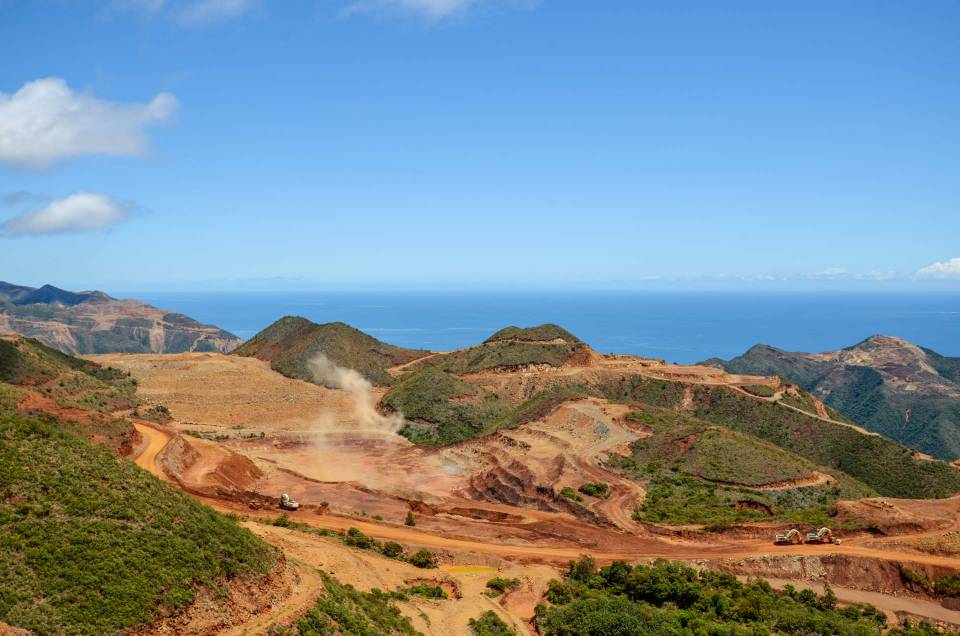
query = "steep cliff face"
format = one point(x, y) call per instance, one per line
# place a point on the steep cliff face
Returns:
point(92, 322)
point(887, 384)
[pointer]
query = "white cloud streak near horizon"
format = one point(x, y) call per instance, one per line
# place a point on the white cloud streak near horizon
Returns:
point(430, 9)
point(79, 212)
point(944, 269)
point(45, 122)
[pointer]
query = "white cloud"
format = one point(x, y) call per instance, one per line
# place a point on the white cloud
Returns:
point(204, 12)
point(191, 13)
point(45, 121)
point(944, 269)
point(831, 272)
point(430, 9)
point(80, 212)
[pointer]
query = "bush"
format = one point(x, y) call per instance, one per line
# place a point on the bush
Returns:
point(917, 581)
point(423, 559)
point(410, 521)
point(598, 489)
point(489, 624)
point(427, 591)
point(948, 585)
point(501, 585)
point(392, 549)
point(570, 493)
point(357, 539)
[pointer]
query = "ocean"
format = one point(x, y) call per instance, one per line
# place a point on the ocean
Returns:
point(677, 326)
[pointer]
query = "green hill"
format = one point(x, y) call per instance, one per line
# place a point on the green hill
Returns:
point(885, 384)
point(69, 381)
point(92, 544)
point(513, 348)
point(698, 472)
point(290, 343)
point(541, 333)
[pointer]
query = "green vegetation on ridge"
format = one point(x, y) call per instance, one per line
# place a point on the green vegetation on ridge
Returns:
point(699, 473)
point(672, 599)
point(884, 465)
point(540, 333)
point(865, 383)
point(106, 545)
point(291, 342)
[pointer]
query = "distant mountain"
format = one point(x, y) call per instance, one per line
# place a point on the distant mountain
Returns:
point(888, 385)
point(290, 343)
point(92, 322)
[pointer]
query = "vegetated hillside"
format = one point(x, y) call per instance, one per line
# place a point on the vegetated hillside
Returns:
point(46, 381)
point(91, 543)
point(290, 343)
point(93, 322)
point(514, 348)
point(883, 464)
point(541, 333)
point(344, 610)
point(672, 598)
point(885, 384)
point(446, 400)
point(702, 473)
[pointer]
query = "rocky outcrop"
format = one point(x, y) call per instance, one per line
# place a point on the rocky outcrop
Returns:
point(87, 322)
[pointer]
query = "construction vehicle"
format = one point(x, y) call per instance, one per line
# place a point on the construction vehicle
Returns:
point(286, 503)
point(823, 535)
point(792, 537)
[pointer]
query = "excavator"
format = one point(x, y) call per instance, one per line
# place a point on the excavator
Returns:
point(286, 503)
point(792, 537)
point(823, 535)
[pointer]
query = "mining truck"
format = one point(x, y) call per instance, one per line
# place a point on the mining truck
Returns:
point(286, 503)
point(791, 537)
point(823, 535)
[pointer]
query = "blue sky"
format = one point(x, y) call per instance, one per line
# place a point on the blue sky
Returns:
point(236, 144)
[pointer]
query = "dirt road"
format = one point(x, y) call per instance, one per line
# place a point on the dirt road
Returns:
point(654, 548)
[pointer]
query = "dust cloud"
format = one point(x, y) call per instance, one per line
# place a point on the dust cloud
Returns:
point(366, 418)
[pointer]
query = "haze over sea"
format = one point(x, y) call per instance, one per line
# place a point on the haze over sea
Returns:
point(677, 326)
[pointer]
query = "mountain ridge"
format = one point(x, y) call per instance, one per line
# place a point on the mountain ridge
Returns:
point(885, 383)
point(87, 322)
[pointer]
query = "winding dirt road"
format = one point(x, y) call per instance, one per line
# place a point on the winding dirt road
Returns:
point(656, 547)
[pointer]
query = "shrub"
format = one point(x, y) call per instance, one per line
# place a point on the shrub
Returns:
point(427, 591)
point(501, 585)
point(392, 549)
point(410, 521)
point(570, 493)
point(948, 585)
point(357, 539)
point(489, 624)
point(423, 559)
point(598, 489)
